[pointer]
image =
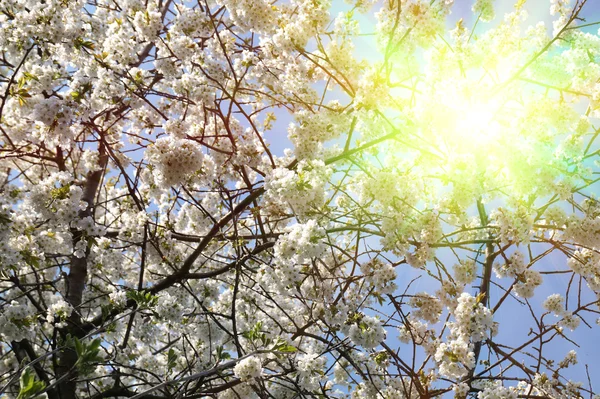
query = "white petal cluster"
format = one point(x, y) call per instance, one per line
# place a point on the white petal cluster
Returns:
point(473, 323)
point(570, 359)
point(59, 311)
point(497, 391)
point(485, 8)
point(242, 390)
point(56, 198)
point(473, 320)
point(379, 275)
point(555, 304)
point(301, 190)
point(570, 321)
point(513, 267)
point(427, 21)
point(53, 119)
point(515, 225)
point(455, 358)
point(16, 321)
point(368, 332)
point(583, 230)
point(80, 248)
point(168, 307)
point(460, 390)
point(118, 298)
point(175, 159)
point(465, 272)
point(527, 282)
point(586, 262)
point(448, 294)
point(418, 332)
point(301, 243)
point(559, 6)
point(310, 370)
point(428, 307)
point(526, 279)
point(542, 385)
point(309, 133)
point(147, 23)
point(255, 15)
point(248, 369)
point(89, 226)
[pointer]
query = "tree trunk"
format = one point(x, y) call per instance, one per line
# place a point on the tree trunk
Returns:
point(75, 287)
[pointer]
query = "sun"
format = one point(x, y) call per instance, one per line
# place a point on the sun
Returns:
point(461, 120)
point(475, 120)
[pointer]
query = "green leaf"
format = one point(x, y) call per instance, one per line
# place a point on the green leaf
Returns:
point(20, 93)
point(143, 299)
point(88, 355)
point(95, 345)
point(82, 43)
point(221, 355)
point(256, 334)
point(78, 347)
point(381, 358)
point(91, 241)
point(283, 347)
point(451, 356)
point(29, 76)
point(171, 360)
point(61, 193)
point(28, 386)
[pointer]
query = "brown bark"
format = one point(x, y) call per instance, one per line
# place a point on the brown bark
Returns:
point(76, 285)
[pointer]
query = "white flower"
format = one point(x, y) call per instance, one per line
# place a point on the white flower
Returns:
point(555, 303)
point(310, 370)
point(570, 359)
point(248, 369)
point(60, 310)
point(485, 9)
point(455, 358)
point(118, 298)
point(367, 332)
point(175, 159)
point(465, 272)
point(473, 320)
point(570, 321)
point(497, 391)
point(428, 307)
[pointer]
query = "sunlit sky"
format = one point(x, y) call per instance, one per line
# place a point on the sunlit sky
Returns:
point(538, 10)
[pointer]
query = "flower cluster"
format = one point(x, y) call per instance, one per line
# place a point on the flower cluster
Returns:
point(310, 370)
point(365, 331)
point(586, 263)
point(473, 320)
point(17, 322)
point(298, 246)
point(248, 369)
point(59, 311)
point(473, 323)
point(413, 330)
point(428, 307)
point(526, 279)
point(301, 190)
point(175, 159)
point(380, 275)
point(497, 391)
point(465, 272)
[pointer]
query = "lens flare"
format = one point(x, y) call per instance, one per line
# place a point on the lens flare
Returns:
point(475, 121)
